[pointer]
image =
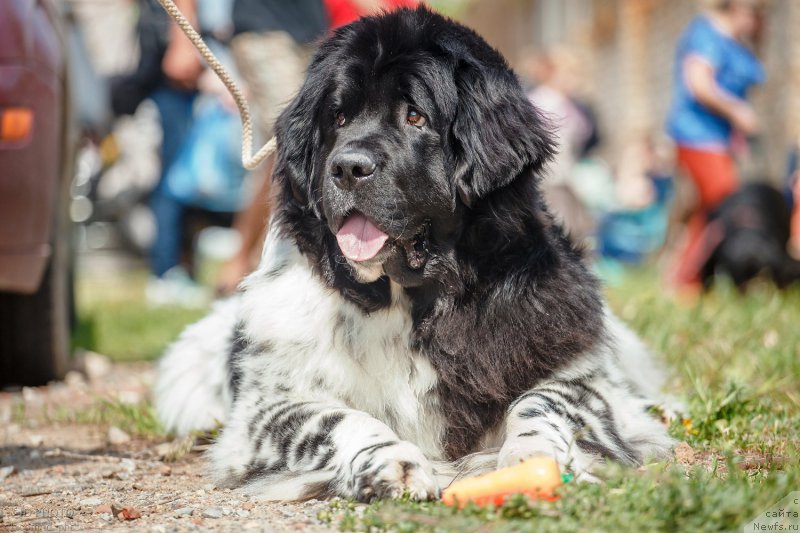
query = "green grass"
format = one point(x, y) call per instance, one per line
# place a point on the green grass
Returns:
point(735, 362)
point(660, 499)
point(115, 320)
point(138, 419)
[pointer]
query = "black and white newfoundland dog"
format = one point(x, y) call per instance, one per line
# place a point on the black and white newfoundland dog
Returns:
point(417, 314)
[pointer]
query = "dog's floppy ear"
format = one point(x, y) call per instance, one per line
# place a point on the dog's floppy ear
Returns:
point(497, 132)
point(298, 137)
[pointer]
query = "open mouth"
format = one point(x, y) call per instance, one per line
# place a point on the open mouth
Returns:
point(361, 240)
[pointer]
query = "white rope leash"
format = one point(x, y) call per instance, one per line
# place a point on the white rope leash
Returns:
point(248, 161)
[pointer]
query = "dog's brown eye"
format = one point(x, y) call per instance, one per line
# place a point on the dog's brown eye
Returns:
point(415, 118)
point(340, 119)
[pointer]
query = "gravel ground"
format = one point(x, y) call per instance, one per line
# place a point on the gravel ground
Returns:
point(57, 475)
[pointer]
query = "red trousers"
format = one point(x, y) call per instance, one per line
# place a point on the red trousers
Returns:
point(795, 230)
point(715, 178)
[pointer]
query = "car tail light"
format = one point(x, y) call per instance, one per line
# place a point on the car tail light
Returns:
point(16, 124)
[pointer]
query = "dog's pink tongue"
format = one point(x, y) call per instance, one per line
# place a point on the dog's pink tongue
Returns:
point(359, 239)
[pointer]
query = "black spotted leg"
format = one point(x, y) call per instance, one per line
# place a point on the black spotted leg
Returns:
point(570, 421)
point(311, 449)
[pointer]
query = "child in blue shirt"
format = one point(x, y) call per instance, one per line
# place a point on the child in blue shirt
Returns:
point(714, 70)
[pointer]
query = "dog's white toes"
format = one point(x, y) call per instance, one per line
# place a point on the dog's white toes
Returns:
point(395, 471)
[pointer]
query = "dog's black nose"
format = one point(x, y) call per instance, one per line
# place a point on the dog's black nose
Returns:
point(350, 168)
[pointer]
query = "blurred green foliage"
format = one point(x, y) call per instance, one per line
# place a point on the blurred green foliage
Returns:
point(115, 320)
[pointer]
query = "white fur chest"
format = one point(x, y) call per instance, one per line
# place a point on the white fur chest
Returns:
point(318, 343)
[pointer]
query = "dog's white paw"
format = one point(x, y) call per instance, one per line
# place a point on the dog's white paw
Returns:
point(392, 471)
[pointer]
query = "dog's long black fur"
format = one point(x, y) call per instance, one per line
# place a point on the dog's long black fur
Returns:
point(503, 298)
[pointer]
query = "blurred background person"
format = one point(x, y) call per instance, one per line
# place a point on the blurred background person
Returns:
point(343, 12)
point(201, 179)
point(167, 74)
point(715, 67)
point(272, 45)
point(636, 224)
point(558, 75)
point(793, 196)
point(182, 68)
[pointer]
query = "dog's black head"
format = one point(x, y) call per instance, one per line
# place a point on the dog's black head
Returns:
point(405, 121)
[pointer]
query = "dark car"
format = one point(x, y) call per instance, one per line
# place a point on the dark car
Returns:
point(35, 168)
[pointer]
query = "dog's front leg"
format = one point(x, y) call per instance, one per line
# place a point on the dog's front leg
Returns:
point(577, 422)
point(288, 448)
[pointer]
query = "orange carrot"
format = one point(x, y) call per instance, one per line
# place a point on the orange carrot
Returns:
point(536, 477)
